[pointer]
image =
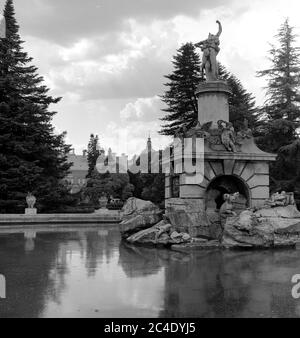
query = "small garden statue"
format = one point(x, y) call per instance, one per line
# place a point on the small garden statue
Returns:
point(30, 200)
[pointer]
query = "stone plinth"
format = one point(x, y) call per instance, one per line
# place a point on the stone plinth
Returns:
point(213, 102)
point(102, 211)
point(30, 211)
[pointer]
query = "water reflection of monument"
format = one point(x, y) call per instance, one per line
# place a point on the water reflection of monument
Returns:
point(139, 261)
point(208, 285)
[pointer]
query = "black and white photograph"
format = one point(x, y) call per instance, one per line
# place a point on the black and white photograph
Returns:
point(150, 162)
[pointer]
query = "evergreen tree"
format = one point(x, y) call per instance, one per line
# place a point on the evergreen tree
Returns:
point(180, 98)
point(32, 156)
point(241, 103)
point(281, 112)
point(182, 102)
point(277, 131)
point(93, 153)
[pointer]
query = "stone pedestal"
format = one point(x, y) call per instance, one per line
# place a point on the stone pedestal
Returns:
point(30, 211)
point(102, 211)
point(213, 102)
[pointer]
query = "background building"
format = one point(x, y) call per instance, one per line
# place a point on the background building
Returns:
point(78, 171)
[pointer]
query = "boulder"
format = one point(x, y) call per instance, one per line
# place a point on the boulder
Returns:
point(137, 223)
point(135, 206)
point(289, 211)
point(195, 223)
point(190, 217)
point(196, 245)
point(287, 236)
point(180, 237)
point(158, 234)
point(238, 232)
point(138, 215)
point(175, 235)
point(215, 224)
point(264, 228)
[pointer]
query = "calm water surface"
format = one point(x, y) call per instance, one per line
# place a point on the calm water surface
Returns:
point(90, 273)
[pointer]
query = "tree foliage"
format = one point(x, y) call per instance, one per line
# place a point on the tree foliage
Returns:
point(116, 185)
point(241, 103)
point(280, 114)
point(148, 186)
point(181, 100)
point(180, 97)
point(93, 153)
point(32, 156)
point(283, 77)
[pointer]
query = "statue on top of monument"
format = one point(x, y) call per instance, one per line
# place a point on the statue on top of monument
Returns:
point(210, 48)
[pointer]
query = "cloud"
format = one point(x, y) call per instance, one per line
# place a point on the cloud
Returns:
point(135, 70)
point(99, 63)
point(143, 109)
point(66, 21)
point(108, 58)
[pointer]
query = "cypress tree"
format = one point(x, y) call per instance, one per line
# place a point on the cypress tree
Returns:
point(32, 156)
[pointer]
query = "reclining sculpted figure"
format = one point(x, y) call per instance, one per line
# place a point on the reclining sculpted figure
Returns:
point(227, 207)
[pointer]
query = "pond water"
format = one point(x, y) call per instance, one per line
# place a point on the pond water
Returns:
point(91, 273)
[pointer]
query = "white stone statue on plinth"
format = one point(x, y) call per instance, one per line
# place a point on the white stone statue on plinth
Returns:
point(30, 200)
point(210, 48)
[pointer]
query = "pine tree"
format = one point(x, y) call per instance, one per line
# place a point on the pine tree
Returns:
point(241, 103)
point(32, 156)
point(280, 114)
point(281, 111)
point(93, 153)
point(180, 98)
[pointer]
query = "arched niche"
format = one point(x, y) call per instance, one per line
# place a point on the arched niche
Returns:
point(227, 184)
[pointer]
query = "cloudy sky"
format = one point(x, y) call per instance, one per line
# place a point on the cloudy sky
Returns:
point(107, 58)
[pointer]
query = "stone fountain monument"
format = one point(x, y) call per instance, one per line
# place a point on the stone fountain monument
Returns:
point(225, 202)
point(232, 161)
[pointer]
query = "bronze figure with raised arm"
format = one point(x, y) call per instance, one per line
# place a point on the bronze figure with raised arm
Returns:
point(210, 48)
